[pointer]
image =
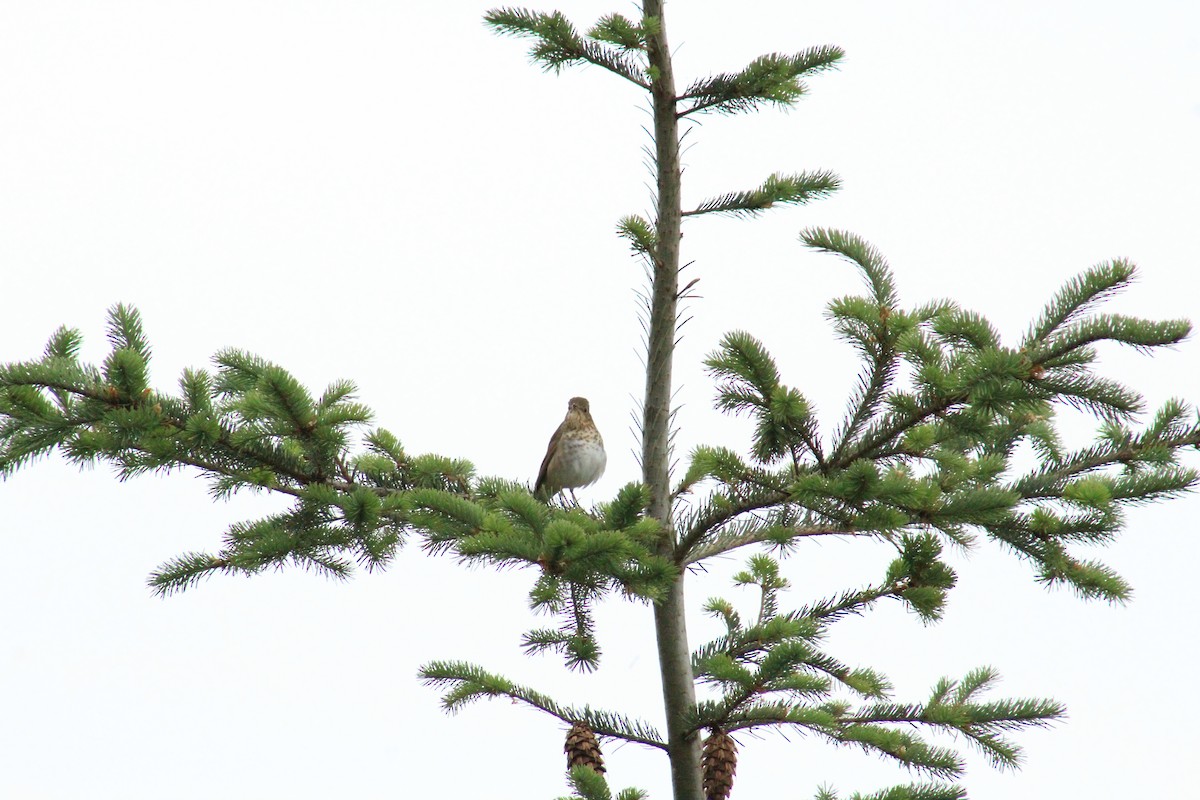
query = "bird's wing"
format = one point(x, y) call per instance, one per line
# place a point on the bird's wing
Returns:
point(550, 448)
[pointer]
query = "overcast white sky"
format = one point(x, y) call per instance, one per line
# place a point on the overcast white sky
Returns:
point(388, 192)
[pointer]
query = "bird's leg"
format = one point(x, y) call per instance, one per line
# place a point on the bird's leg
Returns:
point(574, 499)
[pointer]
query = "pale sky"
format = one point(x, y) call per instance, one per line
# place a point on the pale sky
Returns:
point(390, 193)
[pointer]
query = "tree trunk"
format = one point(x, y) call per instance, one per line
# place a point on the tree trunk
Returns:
point(674, 656)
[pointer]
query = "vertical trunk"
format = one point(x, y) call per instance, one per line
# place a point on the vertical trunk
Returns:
point(679, 692)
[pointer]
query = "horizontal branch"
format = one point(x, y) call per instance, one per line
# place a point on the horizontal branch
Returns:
point(724, 544)
point(777, 189)
point(720, 516)
point(468, 683)
point(558, 44)
point(773, 78)
point(1094, 461)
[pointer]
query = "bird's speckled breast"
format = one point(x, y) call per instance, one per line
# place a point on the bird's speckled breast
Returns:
point(579, 462)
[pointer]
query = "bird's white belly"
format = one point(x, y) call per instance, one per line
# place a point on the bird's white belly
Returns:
point(580, 463)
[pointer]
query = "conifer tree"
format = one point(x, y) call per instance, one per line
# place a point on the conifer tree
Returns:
point(922, 458)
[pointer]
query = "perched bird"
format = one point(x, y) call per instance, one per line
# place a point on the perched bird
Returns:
point(575, 456)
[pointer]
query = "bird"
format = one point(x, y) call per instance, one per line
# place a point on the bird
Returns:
point(575, 456)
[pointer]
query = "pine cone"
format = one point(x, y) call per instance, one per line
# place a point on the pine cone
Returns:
point(582, 747)
point(719, 763)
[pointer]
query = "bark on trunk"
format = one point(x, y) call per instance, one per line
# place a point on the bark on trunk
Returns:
point(679, 691)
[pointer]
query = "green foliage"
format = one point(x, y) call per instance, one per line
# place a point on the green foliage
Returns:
point(252, 426)
point(639, 233)
point(862, 255)
point(776, 189)
point(773, 672)
point(773, 79)
point(580, 557)
point(749, 382)
point(928, 452)
point(912, 791)
point(612, 43)
point(915, 465)
point(922, 579)
point(620, 32)
point(619, 44)
point(591, 785)
point(588, 784)
point(1078, 296)
point(465, 683)
point(940, 456)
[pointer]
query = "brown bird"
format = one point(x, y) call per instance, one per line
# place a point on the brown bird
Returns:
point(575, 456)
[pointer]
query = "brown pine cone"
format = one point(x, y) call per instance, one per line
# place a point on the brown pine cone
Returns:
point(582, 747)
point(719, 763)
